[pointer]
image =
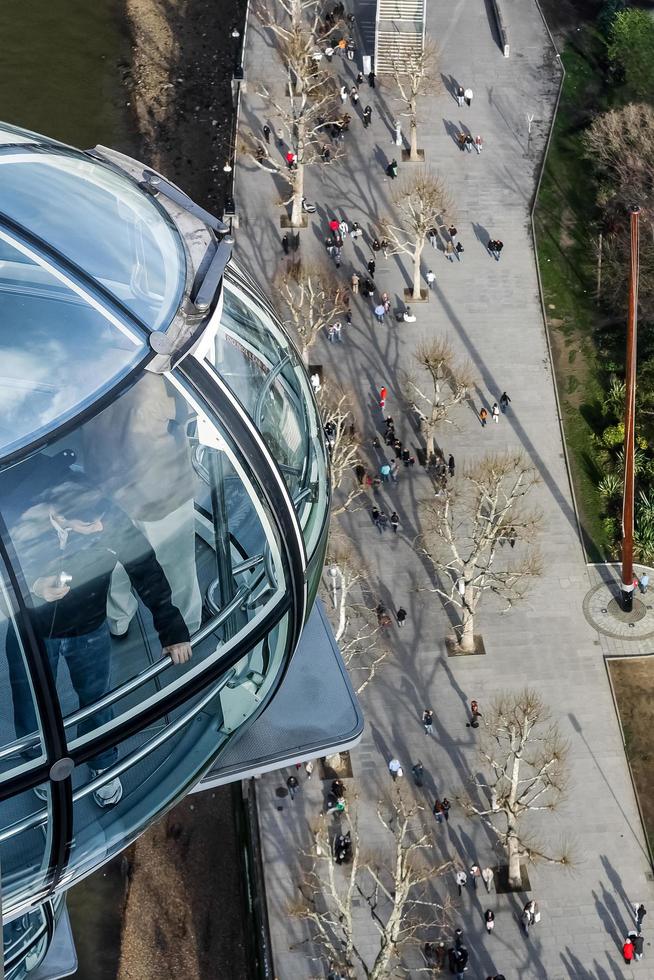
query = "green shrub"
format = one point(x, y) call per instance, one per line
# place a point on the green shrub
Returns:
point(631, 48)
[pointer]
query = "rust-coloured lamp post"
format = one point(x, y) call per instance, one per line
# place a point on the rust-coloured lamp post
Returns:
point(629, 424)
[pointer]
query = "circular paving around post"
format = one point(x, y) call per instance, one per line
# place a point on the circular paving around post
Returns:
point(603, 611)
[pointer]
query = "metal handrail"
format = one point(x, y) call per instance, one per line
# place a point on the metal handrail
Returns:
point(41, 816)
point(148, 674)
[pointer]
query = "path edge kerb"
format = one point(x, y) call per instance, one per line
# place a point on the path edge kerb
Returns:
point(532, 209)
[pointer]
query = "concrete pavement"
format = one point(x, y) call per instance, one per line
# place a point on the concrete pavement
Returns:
point(491, 313)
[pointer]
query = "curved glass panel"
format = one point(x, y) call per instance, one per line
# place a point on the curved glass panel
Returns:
point(159, 765)
point(58, 347)
point(25, 942)
point(100, 220)
point(135, 534)
point(254, 356)
point(24, 848)
point(16, 752)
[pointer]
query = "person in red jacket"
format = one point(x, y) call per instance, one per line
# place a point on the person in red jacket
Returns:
point(382, 396)
point(628, 951)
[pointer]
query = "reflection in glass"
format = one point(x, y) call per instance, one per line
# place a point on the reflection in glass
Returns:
point(134, 533)
point(101, 221)
point(254, 356)
point(24, 846)
point(58, 347)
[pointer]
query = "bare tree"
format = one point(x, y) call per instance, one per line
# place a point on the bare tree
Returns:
point(422, 203)
point(446, 384)
point(311, 104)
point(469, 532)
point(356, 627)
point(395, 889)
point(415, 75)
point(335, 406)
point(309, 299)
point(525, 754)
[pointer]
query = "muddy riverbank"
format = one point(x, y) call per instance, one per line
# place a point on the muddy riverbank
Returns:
point(182, 61)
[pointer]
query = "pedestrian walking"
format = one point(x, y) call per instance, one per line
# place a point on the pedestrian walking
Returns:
point(628, 951)
point(418, 771)
point(391, 169)
point(451, 465)
point(354, 281)
point(462, 957)
point(348, 318)
point(338, 327)
point(432, 234)
point(449, 252)
point(487, 874)
point(385, 245)
point(385, 472)
point(395, 520)
point(458, 248)
point(375, 245)
point(467, 95)
point(379, 312)
point(293, 786)
point(461, 880)
point(638, 944)
point(395, 469)
point(375, 516)
point(643, 583)
point(489, 918)
point(525, 920)
point(495, 412)
point(371, 79)
point(382, 397)
point(349, 51)
point(308, 768)
point(437, 810)
point(397, 446)
point(354, 95)
point(408, 316)
point(285, 244)
point(460, 95)
point(483, 416)
point(343, 229)
point(475, 875)
point(505, 401)
point(469, 143)
point(382, 524)
point(452, 232)
point(428, 721)
point(497, 252)
point(639, 914)
point(371, 268)
point(266, 133)
point(395, 769)
point(479, 144)
point(401, 616)
point(475, 714)
point(291, 160)
point(431, 278)
point(368, 287)
point(343, 94)
point(360, 78)
point(367, 116)
point(445, 803)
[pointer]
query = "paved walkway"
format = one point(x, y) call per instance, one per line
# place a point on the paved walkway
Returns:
point(491, 313)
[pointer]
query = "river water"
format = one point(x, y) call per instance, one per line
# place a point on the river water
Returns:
point(63, 69)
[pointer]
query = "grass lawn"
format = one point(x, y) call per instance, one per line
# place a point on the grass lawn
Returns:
point(633, 684)
point(567, 253)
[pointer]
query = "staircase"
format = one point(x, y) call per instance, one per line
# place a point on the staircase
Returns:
point(399, 33)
